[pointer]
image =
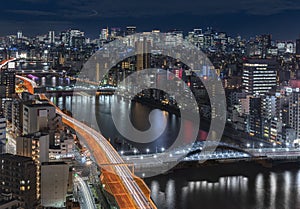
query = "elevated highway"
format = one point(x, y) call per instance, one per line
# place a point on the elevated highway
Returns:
point(126, 189)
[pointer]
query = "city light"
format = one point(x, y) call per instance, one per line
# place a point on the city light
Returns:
point(48, 106)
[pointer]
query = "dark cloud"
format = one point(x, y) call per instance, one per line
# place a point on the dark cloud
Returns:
point(91, 15)
point(32, 12)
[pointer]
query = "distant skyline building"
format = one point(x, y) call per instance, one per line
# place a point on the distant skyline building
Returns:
point(259, 76)
point(51, 37)
point(298, 48)
point(142, 58)
point(130, 30)
point(104, 34)
point(19, 35)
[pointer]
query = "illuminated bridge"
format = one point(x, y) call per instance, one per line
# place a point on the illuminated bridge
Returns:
point(224, 152)
point(118, 182)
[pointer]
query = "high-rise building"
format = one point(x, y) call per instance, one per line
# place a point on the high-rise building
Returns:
point(7, 80)
point(8, 109)
point(142, 57)
point(54, 184)
point(17, 116)
point(35, 146)
point(130, 30)
point(19, 35)
point(294, 112)
point(255, 119)
point(259, 76)
point(2, 134)
point(39, 117)
point(104, 34)
point(116, 32)
point(18, 177)
point(51, 37)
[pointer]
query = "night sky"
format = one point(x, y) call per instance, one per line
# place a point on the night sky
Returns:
point(281, 18)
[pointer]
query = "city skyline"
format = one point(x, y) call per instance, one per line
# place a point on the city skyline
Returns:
point(150, 104)
point(246, 18)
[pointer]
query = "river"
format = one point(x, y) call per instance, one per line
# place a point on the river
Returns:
point(239, 186)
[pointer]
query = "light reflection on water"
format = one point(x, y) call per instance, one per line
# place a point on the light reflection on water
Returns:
point(259, 190)
point(267, 190)
point(84, 108)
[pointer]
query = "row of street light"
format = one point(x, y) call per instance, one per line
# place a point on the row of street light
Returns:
point(135, 151)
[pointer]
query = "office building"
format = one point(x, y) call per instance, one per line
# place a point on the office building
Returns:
point(18, 177)
point(259, 76)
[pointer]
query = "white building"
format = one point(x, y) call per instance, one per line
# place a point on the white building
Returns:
point(54, 184)
point(35, 146)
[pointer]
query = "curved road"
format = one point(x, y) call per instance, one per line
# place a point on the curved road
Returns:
point(105, 154)
point(86, 193)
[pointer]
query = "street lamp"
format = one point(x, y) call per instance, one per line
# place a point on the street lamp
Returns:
point(248, 145)
point(261, 144)
point(147, 150)
point(162, 149)
point(134, 151)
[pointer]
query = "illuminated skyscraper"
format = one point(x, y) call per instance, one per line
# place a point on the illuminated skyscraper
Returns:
point(130, 30)
point(51, 37)
point(7, 80)
point(142, 58)
point(259, 76)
